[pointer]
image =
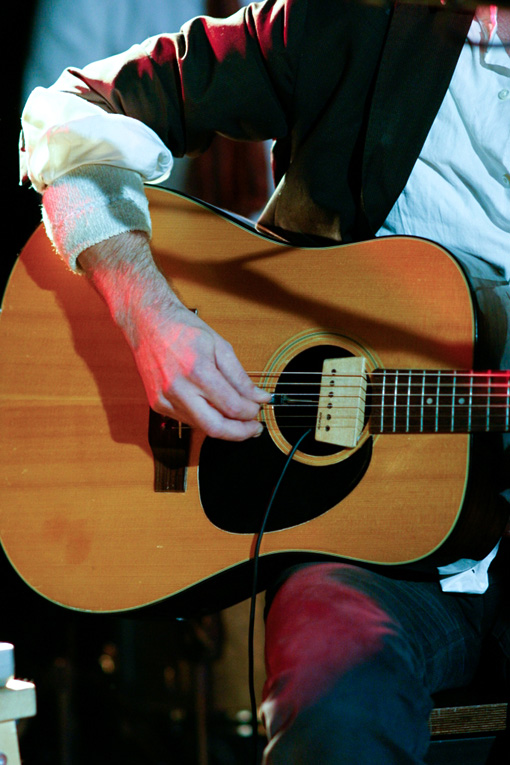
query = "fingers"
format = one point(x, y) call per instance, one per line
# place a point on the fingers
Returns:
point(213, 394)
point(193, 408)
point(209, 401)
point(216, 425)
point(192, 374)
point(214, 391)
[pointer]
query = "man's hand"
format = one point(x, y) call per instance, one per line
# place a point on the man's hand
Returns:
point(189, 371)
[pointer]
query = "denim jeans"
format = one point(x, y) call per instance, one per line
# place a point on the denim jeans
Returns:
point(352, 657)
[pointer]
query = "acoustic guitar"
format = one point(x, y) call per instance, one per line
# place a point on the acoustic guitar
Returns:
point(368, 351)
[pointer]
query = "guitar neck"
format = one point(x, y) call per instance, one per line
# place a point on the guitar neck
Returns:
point(439, 401)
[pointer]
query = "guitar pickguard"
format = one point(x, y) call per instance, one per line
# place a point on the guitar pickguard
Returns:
point(236, 482)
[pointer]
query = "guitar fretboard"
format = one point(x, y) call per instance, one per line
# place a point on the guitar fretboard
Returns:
point(430, 401)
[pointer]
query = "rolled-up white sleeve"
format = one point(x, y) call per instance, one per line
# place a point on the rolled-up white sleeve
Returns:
point(62, 132)
point(90, 167)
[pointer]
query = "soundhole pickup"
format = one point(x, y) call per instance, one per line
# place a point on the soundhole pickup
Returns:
point(170, 444)
point(342, 397)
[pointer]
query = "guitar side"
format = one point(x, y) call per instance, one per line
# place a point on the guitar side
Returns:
point(79, 518)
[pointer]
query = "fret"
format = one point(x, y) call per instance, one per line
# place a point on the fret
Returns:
point(461, 398)
point(395, 402)
point(454, 390)
point(409, 393)
point(422, 421)
point(470, 405)
point(383, 402)
point(438, 400)
point(431, 401)
point(419, 416)
point(507, 421)
point(488, 406)
point(497, 412)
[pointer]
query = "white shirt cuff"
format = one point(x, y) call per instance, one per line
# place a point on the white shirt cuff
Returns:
point(467, 576)
point(62, 132)
point(91, 204)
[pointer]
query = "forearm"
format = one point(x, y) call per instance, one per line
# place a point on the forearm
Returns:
point(123, 271)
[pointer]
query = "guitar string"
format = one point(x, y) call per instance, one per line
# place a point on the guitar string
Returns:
point(478, 387)
point(484, 382)
point(499, 373)
point(305, 399)
point(429, 408)
point(478, 423)
point(304, 402)
point(401, 387)
point(391, 384)
point(477, 412)
point(342, 402)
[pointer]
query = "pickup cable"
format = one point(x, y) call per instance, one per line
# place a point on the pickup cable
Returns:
point(253, 602)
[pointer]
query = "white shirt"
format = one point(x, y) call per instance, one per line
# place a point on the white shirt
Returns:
point(458, 194)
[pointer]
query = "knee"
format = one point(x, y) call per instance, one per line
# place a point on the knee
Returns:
point(375, 713)
point(319, 627)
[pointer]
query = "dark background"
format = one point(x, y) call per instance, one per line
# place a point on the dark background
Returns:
point(20, 205)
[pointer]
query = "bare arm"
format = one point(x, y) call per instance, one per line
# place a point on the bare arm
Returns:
point(189, 371)
point(128, 114)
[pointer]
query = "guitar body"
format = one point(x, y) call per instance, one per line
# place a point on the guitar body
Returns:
point(80, 519)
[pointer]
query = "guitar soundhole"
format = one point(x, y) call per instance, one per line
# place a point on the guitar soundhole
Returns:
point(297, 398)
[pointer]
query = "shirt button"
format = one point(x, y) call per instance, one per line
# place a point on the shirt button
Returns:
point(506, 179)
point(503, 95)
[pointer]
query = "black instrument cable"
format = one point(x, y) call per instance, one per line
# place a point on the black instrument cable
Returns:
point(253, 603)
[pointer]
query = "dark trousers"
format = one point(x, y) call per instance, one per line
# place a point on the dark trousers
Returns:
point(352, 658)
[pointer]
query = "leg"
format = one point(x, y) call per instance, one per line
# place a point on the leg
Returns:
point(352, 657)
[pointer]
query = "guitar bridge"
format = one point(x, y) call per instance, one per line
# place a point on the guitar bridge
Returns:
point(170, 444)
